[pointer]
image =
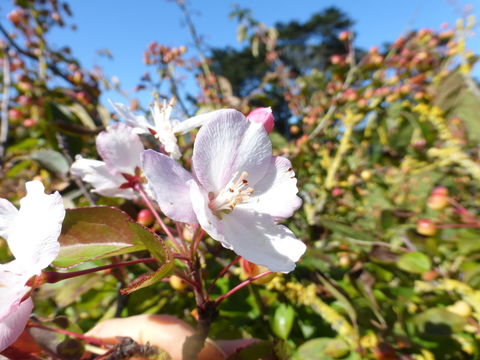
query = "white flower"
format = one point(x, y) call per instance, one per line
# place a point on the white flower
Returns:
point(237, 192)
point(120, 148)
point(32, 235)
point(163, 128)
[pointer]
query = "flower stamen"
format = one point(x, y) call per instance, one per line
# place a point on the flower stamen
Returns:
point(235, 192)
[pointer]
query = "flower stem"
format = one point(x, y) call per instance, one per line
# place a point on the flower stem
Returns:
point(241, 286)
point(88, 339)
point(53, 276)
point(223, 272)
point(451, 226)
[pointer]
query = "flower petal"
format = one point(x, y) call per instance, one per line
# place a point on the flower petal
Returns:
point(258, 239)
point(254, 236)
point(12, 326)
point(12, 287)
point(8, 212)
point(138, 122)
point(229, 143)
point(120, 148)
point(168, 181)
point(276, 193)
point(35, 231)
point(182, 127)
point(104, 181)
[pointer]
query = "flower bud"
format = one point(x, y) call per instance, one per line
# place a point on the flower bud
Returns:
point(15, 114)
point(177, 283)
point(29, 123)
point(336, 191)
point(438, 199)
point(145, 217)
point(264, 116)
point(366, 175)
point(344, 35)
point(426, 227)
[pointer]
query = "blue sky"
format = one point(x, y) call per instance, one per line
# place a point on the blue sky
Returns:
point(126, 27)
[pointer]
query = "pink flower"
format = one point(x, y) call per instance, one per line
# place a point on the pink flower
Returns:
point(237, 192)
point(32, 235)
point(264, 116)
point(120, 148)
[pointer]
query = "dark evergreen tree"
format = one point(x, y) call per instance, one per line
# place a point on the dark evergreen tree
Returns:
point(302, 46)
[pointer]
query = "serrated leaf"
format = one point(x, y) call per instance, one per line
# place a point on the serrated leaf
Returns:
point(414, 262)
point(96, 232)
point(150, 279)
point(153, 243)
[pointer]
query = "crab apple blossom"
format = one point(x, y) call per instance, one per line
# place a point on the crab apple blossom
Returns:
point(120, 148)
point(237, 190)
point(163, 128)
point(32, 235)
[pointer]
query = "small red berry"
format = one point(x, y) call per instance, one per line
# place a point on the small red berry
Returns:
point(145, 217)
point(426, 227)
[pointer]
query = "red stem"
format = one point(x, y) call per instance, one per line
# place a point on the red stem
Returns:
point(88, 339)
point(138, 187)
point(446, 226)
point(223, 272)
point(196, 241)
point(240, 286)
point(53, 276)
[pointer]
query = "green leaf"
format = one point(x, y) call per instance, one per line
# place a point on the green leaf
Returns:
point(414, 262)
point(150, 279)
point(315, 349)
point(53, 161)
point(153, 243)
point(283, 320)
point(337, 348)
point(439, 322)
point(97, 232)
point(345, 230)
point(340, 297)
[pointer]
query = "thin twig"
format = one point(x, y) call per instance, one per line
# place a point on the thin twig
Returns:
point(223, 272)
point(241, 286)
point(149, 203)
point(348, 81)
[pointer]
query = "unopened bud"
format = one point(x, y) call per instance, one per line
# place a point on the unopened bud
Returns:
point(29, 123)
point(177, 283)
point(426, 227)
point(145, 217)
point(264, 116)
point(438, 199)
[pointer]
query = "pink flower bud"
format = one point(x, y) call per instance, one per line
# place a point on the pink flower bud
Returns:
point(264, 116)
